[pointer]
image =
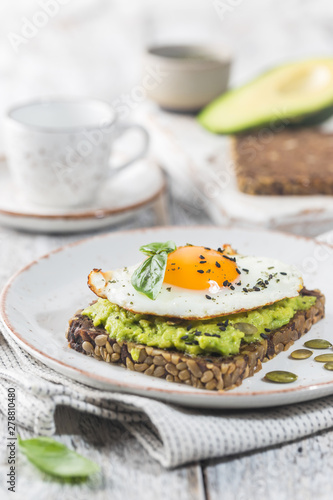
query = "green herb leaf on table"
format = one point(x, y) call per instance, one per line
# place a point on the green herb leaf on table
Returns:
point(148, 277)
point(56, 459)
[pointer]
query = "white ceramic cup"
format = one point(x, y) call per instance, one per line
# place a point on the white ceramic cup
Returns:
point(191, 75)
point(58, 151)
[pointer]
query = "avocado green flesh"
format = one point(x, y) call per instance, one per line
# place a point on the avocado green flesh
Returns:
point(289, 94)
point(168, 333)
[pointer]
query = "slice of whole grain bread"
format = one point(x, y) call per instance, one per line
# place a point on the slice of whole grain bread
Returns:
point(291, 162)
point(211, 372)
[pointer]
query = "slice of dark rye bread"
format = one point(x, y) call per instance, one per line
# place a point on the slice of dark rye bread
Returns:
point(210, 372)
point(290, 162)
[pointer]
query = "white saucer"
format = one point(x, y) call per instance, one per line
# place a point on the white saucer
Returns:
point(139, 186)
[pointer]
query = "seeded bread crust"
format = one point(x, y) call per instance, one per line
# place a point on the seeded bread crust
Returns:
point(204, 372)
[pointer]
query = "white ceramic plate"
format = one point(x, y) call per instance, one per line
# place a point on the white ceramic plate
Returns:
point(136, 187)
point(38, 301)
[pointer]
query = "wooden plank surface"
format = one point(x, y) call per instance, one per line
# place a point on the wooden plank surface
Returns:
point(298, 471)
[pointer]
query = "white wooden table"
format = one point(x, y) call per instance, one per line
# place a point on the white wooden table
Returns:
point(299, 471)
point(99, 36)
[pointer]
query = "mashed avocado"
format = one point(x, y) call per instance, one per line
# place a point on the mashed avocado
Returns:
point(216, 335)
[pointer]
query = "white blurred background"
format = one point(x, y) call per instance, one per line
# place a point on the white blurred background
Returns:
point(94, 47)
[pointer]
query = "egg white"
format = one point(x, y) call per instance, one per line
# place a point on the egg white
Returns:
point(284, 281)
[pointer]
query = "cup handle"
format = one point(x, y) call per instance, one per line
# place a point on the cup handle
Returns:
point(122, 129)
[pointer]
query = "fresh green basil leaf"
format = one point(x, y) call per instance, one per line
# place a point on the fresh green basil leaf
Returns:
point(56, 459)
point(148, 277)
point(157, 247)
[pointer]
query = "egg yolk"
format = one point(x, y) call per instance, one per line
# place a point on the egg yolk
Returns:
point(195, 268)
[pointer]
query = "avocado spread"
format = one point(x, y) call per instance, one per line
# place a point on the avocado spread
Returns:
point(222, 335)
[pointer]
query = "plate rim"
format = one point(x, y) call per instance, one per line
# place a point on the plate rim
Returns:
point(96, 213)
point(128, 387)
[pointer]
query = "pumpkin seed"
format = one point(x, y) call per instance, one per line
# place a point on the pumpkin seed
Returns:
point(301, 354)
point(324, 358)
point(246, 328)
point(328, 366)
point(281, 377)
point(318, 344)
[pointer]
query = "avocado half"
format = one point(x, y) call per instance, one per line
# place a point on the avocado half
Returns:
point(299, 93)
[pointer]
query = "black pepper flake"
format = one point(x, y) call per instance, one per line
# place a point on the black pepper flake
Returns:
point(226, 283)
point(117, 317)
point(268, 330)
point(256, 289)
point(232, 287)
point(200, 271)
point(173, 263)
point(220, 250)
point(222, 328)
point(208, 297)
point(207, 334)
point(233, 259)
point(188, 343)
point(284, 274)
point(188, 327)
point(203, 262)
point(217, 264)
point(266, 282)
point(195, 342)
point(173, 269)
point(202, 257)
point(169, 289)
point(245, 290)
point(207, 248)
point(197, 334)
point(245, 270)
point(208, 271)
point(237, 270)
point(264, 336)
point(239, 283)
point(184, 337)
point(226, 322)
point(270, 277)
point(216, 335)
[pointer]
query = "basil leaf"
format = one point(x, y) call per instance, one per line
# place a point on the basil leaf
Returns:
point(148, 277)
point(56, 459)
point(154, 248)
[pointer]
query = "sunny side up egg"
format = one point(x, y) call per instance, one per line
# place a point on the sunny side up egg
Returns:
point(200, 283)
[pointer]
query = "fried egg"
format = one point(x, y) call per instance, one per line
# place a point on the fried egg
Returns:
point(200, 282)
